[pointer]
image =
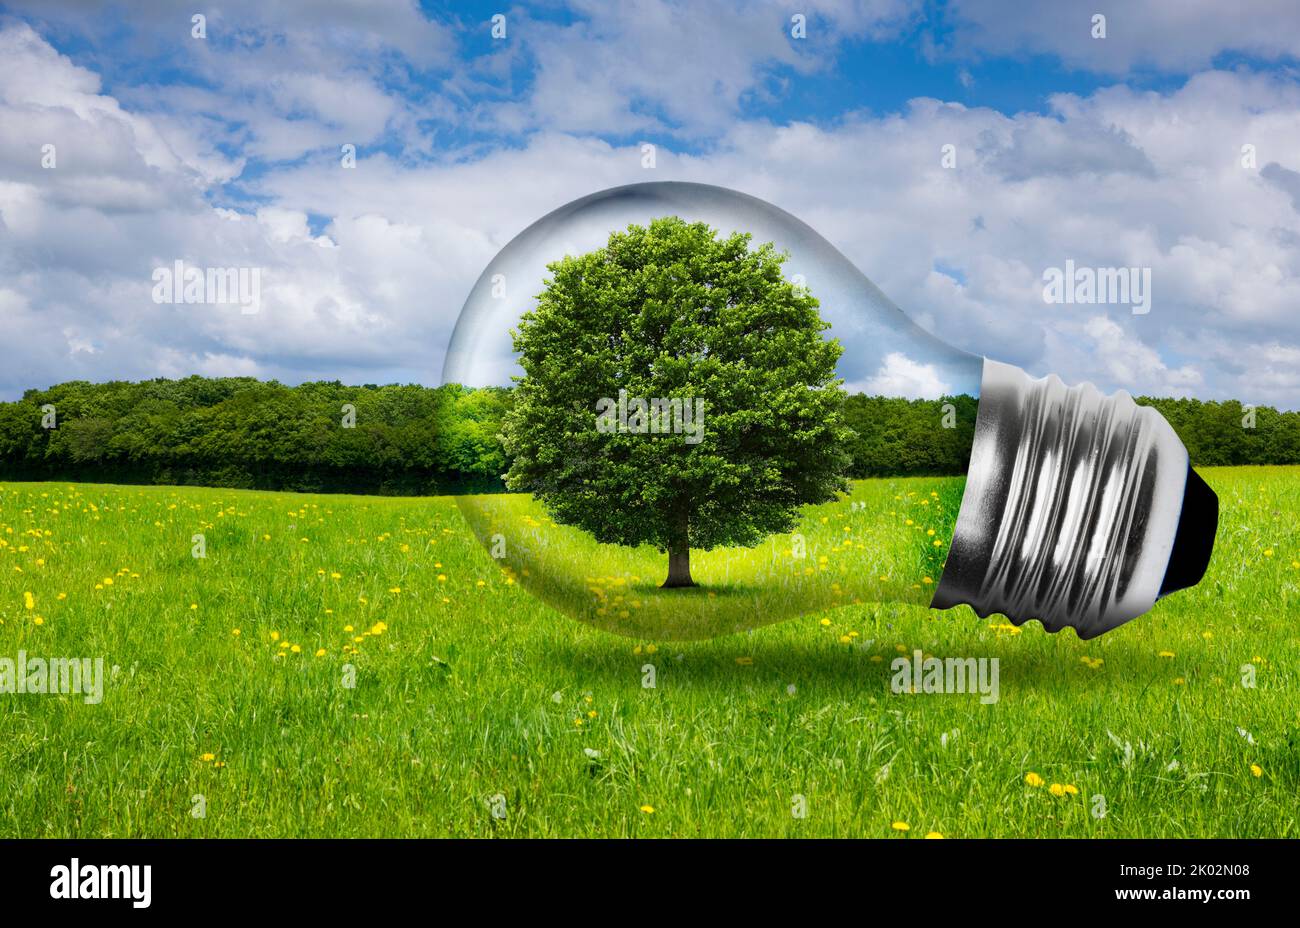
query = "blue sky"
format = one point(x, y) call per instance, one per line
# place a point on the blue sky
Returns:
point(1127, 150)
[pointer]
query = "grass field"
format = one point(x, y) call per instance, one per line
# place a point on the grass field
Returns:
point(477, 710)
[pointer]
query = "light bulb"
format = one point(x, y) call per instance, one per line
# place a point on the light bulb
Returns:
point(1078, 509)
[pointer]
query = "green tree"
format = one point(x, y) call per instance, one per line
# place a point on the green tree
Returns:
point(672, 312)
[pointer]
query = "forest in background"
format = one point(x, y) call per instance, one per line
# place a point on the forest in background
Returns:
point(415, 440)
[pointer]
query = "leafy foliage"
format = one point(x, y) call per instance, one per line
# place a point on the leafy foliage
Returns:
point(670, 310)
point(240, 432)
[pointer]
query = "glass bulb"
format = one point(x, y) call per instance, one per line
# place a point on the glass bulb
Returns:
point(1078, 509)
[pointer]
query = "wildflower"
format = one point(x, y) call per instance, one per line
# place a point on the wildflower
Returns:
point(236, 632)
point(29, 601)
point(207, 758)
point(1256, 770)
point(1033, 779)
point(296, 649)
point(933, 834)
point(826, 622)
point(320, 652)
point(1165, 654)
point(1056, 789)
point(648, 810)
point(901, 826)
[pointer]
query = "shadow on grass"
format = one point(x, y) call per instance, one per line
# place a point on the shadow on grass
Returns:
point(1050, 667)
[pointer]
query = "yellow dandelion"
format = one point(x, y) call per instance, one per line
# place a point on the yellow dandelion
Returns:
point(901, 826)
point(320, 652)
point(236, 632)
point(207, 758)
point(1033, 779)
point(826, 622)
point(1056, 789)
point(933, 834)
point(1256, 770)
point(648, 810)
point(29, 601)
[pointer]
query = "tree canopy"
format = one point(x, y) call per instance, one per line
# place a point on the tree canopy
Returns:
point(408, 439)
point(670, 316)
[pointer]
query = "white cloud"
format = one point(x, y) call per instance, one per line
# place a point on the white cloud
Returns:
point(899, 375)
point(1166, 35)
point(1115, 178)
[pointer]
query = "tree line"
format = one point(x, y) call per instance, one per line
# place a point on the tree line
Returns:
point(415, 440)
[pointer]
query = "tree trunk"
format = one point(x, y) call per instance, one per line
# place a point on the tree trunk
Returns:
point(679, 556)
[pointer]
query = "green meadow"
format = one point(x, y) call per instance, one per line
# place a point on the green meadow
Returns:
point(362, 666)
